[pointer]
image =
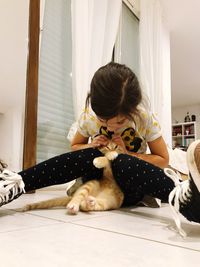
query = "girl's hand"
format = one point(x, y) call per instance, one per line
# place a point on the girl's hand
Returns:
point(100, 140)
point(117, 139)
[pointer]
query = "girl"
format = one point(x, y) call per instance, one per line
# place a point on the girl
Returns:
point(114, 111)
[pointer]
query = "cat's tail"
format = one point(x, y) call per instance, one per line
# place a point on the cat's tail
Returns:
point(46, 204)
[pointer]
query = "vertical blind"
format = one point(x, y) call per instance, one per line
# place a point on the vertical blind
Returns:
point(55, 108)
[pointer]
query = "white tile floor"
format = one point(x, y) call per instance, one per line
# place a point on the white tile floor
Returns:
point(137, 237)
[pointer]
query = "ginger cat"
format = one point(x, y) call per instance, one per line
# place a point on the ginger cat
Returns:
point(95, 195)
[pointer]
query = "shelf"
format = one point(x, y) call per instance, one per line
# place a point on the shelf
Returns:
point(183, 123)
point(183, 134)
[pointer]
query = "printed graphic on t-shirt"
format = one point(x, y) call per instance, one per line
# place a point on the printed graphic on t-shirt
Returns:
point(129, 136)
point(104, 131)
point(131, 140)
point(136, 134)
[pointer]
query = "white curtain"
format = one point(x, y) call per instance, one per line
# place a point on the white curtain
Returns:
point(94, 29)
point(155, 63)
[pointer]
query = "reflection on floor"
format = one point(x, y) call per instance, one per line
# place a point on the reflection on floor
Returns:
point(135, 237)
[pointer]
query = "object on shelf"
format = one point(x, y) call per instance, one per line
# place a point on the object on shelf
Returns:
point(187, 117)
point(188, 141)
point(177, 130)
point(193, 117)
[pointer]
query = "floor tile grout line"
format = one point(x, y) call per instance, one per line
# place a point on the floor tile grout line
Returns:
point(60, 220)
point(28, 228)
point(104, 215)
point(135, 236)
point(96, 228)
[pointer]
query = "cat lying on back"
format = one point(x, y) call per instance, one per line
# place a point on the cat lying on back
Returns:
point(95, 195)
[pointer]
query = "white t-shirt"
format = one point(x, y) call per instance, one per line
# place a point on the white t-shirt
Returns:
point(136, 134)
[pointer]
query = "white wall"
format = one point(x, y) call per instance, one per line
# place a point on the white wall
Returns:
point(13, 55)
point(179, 113)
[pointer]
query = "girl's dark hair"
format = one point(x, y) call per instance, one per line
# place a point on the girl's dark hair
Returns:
point(114, 90)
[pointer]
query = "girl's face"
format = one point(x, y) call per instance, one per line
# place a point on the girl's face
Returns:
point(114, 124)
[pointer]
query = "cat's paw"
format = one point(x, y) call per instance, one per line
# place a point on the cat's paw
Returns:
point(90, 201)
point(100, 162)
point(111, 155)
point(72, 208)
point(88, 204)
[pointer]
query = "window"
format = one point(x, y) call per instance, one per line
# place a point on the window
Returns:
point(55, 105)
point(127, 44)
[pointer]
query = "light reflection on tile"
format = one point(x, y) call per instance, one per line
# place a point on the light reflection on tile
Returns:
point(127, 237)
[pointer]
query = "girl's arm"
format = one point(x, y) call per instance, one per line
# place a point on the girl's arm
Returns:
point(81, 142)
point(159, 154)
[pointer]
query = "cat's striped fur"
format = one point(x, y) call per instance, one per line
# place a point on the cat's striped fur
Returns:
point(95, 195)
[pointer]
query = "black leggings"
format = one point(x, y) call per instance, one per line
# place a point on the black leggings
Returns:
point(134, 176)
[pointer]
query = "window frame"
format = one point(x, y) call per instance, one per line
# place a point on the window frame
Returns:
point(30, 120)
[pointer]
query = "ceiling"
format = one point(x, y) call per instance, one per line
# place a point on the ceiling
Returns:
point(183, 21)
